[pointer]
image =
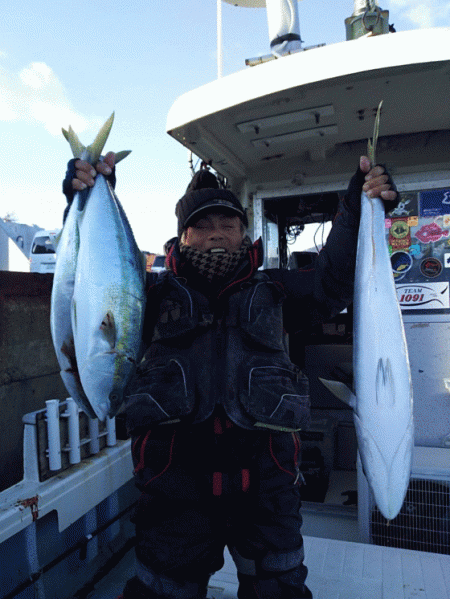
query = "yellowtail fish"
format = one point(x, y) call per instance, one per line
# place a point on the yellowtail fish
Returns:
point(100, 285)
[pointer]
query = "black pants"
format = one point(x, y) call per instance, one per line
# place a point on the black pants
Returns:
point(214, 485)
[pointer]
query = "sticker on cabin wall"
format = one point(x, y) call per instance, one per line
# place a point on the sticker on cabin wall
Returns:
point(432, 296)
point(446, 260)
point(407, 206)
point(434, 202)
point(401, 262)
point(431, 233)
point(431, 267)
point(399, 234)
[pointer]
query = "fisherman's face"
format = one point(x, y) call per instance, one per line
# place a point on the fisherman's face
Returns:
point(217, 232)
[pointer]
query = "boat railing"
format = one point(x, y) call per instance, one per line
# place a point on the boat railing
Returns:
point(71, 463)
point(65, 436)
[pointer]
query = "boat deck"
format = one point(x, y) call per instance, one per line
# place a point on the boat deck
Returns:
point(337, 570)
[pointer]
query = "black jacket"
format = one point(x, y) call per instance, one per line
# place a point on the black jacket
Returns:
point(210, 345)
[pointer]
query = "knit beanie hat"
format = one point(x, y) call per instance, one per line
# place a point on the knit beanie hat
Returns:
point(203, 193)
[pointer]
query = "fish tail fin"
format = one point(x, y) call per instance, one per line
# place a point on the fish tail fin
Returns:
point(96, 147)
point(121, 155)
point(75, 144)
point(93, 151)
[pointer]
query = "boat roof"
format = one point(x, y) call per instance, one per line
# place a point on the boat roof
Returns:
point(260, 122)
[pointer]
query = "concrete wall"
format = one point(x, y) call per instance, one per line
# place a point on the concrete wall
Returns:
point(29, 372)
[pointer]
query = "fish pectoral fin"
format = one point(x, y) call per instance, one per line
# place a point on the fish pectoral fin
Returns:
point(341, 391)
point(108, 329)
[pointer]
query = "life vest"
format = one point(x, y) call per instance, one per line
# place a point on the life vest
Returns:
point(233, 354)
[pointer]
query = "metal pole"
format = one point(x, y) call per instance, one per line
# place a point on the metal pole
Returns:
point(54, 442)
point(219, 39)
point(74, 432)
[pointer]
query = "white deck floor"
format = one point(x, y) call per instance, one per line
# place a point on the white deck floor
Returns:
point(337, 570)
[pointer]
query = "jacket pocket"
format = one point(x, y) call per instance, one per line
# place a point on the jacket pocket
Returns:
point(162, 392)
point(276, 395)
point(261, 317)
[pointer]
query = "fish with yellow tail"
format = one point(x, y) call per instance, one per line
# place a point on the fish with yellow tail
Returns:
point(382, 401)
point(98, 296)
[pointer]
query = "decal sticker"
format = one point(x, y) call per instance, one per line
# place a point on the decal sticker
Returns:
point(407, 206)
point(415, 250)
point(446, 260)
point(433, 296)
point(431, 233)
point(401, 262)
point(399, 234)
point(431, 267)
point(434, 202)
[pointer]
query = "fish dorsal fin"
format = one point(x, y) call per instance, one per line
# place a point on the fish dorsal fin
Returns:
point(341, 391)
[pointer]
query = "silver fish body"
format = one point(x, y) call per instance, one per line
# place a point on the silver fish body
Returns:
point(60, 309)
point(66, 273)
point(383, 409)
point(108, 300)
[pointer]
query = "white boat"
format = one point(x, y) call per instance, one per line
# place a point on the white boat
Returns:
point(286, 134)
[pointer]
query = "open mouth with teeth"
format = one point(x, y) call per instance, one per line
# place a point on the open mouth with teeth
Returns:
point(217, 251)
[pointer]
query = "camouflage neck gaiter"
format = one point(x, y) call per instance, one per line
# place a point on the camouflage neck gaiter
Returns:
point(213, 266)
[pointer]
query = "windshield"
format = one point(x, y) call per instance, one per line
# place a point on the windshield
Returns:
point(159, 261)
point(42, 245)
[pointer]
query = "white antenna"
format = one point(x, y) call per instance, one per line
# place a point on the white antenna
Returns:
point(219, 40)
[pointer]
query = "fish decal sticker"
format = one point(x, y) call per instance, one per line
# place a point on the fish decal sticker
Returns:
point(431, 233)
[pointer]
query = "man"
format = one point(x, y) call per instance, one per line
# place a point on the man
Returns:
point(216, 405)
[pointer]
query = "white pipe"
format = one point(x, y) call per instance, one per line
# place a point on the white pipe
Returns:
point(54, 441)
point(111, 439)
point(361, 6)
point(283, 22)
point(74, 432)
point(94, 443)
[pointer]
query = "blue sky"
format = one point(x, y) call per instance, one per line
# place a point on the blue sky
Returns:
point(64, 63)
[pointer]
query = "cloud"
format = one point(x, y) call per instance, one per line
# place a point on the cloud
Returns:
point(35, 94)
point(422, 13)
